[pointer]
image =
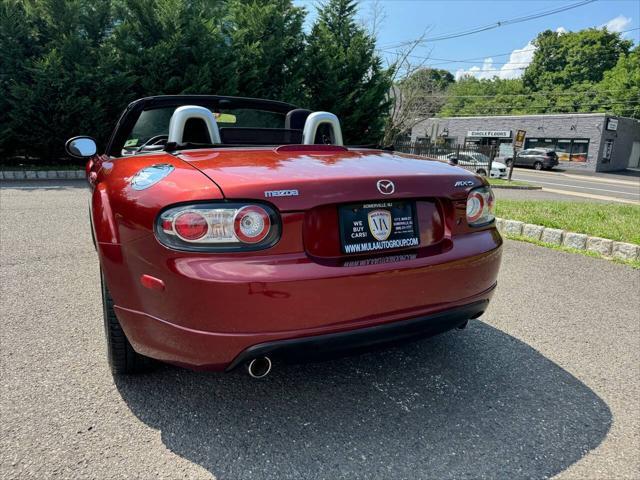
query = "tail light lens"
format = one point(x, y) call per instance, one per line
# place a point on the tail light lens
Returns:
point(480, 207)
point(218, 227)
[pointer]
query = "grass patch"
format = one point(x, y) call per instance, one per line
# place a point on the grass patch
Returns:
point(512, 183)
point(587, 253)
point(607, 220)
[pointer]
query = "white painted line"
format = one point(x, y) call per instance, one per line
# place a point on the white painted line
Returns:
point(584, 178)
point(590, 195)
point(591, 188)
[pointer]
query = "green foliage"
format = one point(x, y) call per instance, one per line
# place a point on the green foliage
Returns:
point(70, 67)
point(620, 87)
point(432, 79)
point(470, 96)
point(565, 59)
point(268, 49)
point(343, 75)
point(587, 71)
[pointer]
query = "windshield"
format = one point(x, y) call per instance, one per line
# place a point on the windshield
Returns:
point(481, 157)
point(152, 127)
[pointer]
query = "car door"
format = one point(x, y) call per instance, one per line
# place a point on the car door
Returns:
point(521, 158)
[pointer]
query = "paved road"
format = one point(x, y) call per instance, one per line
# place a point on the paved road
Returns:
point(547, 383)
point(576, 186)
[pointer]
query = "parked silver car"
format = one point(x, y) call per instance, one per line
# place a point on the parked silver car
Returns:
point(538, 158)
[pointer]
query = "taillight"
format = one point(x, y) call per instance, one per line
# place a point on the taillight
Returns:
point(251, 224)
point(190, 226)
point(480, 205)
point(214, 227)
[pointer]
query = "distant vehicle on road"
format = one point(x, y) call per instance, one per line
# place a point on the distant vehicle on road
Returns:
point(538, 158)
point(477, 162)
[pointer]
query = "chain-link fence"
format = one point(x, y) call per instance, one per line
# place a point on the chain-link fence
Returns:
point(476, 158)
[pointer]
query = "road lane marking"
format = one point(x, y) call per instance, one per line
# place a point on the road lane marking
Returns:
point(585, 178)
point(590, 188)
point(590, 195)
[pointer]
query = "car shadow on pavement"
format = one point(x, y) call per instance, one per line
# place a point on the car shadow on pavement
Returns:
point(476, 403)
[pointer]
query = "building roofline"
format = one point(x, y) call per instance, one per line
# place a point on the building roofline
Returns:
point(543, 115)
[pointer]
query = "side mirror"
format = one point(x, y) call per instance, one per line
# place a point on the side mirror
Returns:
point(81, 147)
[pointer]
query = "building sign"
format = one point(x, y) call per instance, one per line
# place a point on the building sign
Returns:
point(612, 124)
point(489, 133)
point(607, 151)
point(520, 134)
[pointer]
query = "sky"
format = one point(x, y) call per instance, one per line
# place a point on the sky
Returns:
point(502, 51)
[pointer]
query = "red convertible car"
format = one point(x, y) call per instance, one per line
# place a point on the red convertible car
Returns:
point(235, 231)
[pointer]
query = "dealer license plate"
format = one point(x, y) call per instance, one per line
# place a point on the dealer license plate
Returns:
point(378, 226)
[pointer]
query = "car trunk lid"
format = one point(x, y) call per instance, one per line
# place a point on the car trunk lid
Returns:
point(295, 180)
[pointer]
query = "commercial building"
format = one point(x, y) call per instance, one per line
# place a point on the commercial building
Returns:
point(596, 142)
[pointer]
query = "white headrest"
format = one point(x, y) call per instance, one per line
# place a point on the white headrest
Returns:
point(186, 112)
point(314, 120)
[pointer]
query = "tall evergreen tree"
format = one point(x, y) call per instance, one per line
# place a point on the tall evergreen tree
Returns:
point(175, 46)
point(66, 86)
point(268, 46)
point(344, 75)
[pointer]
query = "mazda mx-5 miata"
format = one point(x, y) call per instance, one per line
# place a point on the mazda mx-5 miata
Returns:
point(234, 232)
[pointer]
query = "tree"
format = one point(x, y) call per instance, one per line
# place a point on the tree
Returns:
point(66, 85)
point(565, 59)
point(619, 90)
point(174, 46)
point(420, 95)
point(471, 96)
point(343, 75)
point(268, 45)
point(18, 46)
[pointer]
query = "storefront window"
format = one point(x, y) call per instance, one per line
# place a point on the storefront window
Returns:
point(563, 149)
point(568, 149)
point(579, 151)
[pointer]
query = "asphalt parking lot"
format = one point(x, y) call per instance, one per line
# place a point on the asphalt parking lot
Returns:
point(547, 383)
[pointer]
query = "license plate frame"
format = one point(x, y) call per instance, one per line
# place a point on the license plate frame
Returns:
point(363, 226)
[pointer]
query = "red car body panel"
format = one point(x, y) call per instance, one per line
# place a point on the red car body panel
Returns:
point(213, 306)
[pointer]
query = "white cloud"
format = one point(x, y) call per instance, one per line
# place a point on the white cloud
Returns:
point(617, 24)
point(518, 60)
point(561, 30)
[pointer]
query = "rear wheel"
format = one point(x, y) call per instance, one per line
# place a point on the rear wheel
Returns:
point(537, 165)
point(122, 357)
point(482, 172)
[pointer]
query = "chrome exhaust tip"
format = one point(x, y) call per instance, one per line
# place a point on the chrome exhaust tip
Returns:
point(259, 367)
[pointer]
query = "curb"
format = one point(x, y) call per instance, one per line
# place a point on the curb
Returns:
point(579, 241)
point(41, 174)
point(515, 187)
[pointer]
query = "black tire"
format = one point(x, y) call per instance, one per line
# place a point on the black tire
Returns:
point(482, 172)
point(123, 359)
point(538, 165)
point(509, 163)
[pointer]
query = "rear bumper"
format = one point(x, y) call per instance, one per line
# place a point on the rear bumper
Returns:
point(201, 350)
point(337, 344)
point(211, 311)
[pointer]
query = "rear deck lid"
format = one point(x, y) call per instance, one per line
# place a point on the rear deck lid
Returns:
point(295, 180)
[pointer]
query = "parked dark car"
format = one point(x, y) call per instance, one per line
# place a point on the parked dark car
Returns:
point(538, 158)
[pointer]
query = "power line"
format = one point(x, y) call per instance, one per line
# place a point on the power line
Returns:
point(498, 24)
point(548, 93)
point(443, 61)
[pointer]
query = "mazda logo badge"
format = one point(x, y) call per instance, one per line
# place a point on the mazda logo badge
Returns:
point(386, 187)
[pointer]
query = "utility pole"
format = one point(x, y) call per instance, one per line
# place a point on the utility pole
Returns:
point(518, 142)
